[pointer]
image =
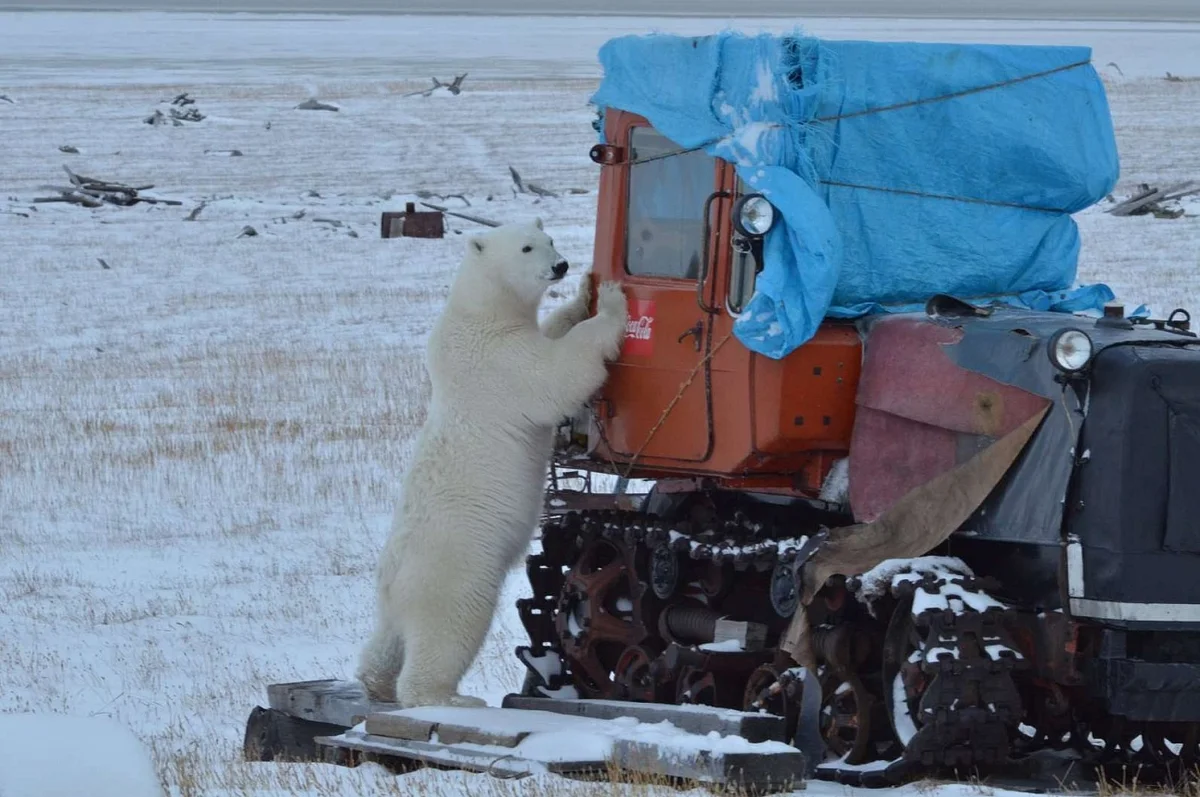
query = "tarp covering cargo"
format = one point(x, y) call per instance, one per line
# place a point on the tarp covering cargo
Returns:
point(899, 170)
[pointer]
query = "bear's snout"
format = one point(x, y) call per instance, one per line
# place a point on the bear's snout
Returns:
point(560, 268)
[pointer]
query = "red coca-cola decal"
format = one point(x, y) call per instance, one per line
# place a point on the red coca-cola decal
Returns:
point(639, 331)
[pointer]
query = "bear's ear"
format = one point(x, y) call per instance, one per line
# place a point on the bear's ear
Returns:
point(537, 222)
point(476, 243)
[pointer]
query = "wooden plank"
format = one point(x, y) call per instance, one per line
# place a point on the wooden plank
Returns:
point(1127, 207)
point(398, 726)
point(342, 703)
point(693, 719)
point(465, 734)
point(401, 726)
point(771, 771)
point(474, 760)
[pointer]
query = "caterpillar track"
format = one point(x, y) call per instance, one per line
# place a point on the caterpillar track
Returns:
point(915, 662)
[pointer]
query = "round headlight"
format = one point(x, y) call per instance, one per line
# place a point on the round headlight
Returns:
point(753, 215)
point(1070, 350)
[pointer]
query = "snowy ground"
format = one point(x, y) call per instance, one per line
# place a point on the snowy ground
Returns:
point(200, 443)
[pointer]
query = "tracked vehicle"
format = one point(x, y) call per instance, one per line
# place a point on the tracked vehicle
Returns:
point(951, 520)
point(975, 523)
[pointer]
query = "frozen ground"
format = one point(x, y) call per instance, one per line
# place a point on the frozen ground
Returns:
point(200, 443)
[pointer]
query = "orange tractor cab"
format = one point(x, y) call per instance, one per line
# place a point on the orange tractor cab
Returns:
point(685, 398)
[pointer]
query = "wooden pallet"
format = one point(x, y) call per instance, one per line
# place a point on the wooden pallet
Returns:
point(526, 736)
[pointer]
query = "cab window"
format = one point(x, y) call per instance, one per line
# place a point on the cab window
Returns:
point(664, 234)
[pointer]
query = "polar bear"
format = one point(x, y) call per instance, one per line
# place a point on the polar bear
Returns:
point(473, 493)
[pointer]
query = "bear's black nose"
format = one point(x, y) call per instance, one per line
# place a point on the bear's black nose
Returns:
point(560, 268)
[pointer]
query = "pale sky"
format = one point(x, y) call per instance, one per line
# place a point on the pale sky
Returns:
point(1144, 10)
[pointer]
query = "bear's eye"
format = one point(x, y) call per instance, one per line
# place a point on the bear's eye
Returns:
point(527, 249)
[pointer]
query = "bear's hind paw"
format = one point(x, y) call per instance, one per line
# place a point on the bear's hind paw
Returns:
point(452, 699)
point(466, 701)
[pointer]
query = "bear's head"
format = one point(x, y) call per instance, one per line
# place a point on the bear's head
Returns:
point(518, 257)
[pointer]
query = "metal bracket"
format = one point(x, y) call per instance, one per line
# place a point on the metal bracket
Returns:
point(607, 154)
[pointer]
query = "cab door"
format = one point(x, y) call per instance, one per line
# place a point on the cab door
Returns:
point(657, 403)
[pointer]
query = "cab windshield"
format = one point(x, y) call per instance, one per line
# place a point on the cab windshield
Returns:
point(664, 236)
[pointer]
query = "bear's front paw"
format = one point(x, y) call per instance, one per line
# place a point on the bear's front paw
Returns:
point(611, 301)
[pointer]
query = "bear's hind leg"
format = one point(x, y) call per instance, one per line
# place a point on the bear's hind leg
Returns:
point(380, 663)
point(439, 652)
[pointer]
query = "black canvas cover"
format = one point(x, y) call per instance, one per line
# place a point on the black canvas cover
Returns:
point(1136, 502)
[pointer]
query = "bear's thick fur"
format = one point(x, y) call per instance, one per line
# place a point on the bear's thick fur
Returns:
point(473, 492)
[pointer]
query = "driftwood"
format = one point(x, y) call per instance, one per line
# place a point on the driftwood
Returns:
point(1150, 200)
point(196, 211)
point(522, 187)
point(314, 105)
point(424, 194)
point(467, 216)
point(454, 87)
point(92, 193)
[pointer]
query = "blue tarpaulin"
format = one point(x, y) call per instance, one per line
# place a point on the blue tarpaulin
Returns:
point(898, 170)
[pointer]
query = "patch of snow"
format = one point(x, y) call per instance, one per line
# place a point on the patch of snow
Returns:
point(890, 573)
point(546, 664)
point(905, 729)
point(726, 646)
point(840, 764)
point(836, 488)
point(58, 755)
point(998, 651)
point(764, 86)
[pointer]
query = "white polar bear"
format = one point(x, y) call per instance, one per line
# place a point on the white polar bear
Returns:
point(473, 493)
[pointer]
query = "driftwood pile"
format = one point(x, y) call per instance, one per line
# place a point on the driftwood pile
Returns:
point(175, 114)
point(92, 193)
point(1153, 200)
